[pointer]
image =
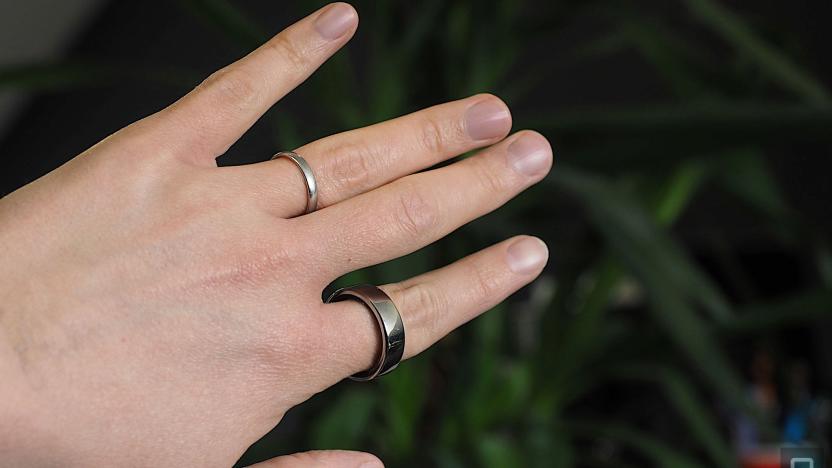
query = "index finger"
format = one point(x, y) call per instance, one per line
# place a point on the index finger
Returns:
point(215, 114)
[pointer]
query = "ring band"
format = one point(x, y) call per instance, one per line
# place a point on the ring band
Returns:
point(390, 326)
point(308, 177)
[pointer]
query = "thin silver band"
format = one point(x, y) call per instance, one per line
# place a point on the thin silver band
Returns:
point(308, 177)
point(390, 326)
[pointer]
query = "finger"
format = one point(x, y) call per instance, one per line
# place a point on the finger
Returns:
point(414, 211)
point(360, 160)
point(433, 304)
point(215, 114)
point(323, 459)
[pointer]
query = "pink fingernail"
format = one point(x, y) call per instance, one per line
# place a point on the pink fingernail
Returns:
point(527, 255)
point(530, 155)
point(487, 119)
point(335, 21)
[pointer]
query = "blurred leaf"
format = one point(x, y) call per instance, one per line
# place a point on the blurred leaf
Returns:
point(746, 174)
point(798, 309)
point(498, 452)
point(579, 339)
point(679, 391)
point(345, 422)
point(335, 84)
point(288, 134)
point(647, 250)
point(420, 26)
point(389, 94)
point(678, 191)
point(74, 74)
point(658, 452)
point(403, 401)
point(669, 55)
point(447, 457)
point(670, 280)
point(771, 61)
point(545, 447)
point(479, 390)
point(456, 39)
point(723, 119)
point(229, 20)
point(659, 137)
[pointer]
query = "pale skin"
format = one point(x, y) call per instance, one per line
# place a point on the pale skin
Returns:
point(156, 310)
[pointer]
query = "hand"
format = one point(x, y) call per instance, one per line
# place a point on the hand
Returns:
point(158, 310)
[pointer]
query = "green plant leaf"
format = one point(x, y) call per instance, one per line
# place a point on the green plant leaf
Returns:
point(229, 20)
point(480, 388)
point(665, 272)
point(345, 422)
point(746, 174)
point(797, 309)
point(669, 55)
point(676, 193)
point(634, 236)
point(498, 452)
point(578, 342)
point(402, 406)
point(712, 120)
point(771, 61)
point(287, 132)
point(661, 136)
point(658, 452)
point(74, 74)
point(419, 27)
point(680, 393)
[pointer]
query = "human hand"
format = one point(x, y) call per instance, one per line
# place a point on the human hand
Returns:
point(156, 309)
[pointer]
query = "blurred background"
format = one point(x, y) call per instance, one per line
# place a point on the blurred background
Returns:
point(684, 319)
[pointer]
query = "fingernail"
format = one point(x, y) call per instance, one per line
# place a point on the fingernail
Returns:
point(527, 255)
point(530, 155)
point(487, 119)
point(335, 21)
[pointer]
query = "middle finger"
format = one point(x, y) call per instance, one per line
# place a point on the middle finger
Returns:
point(416, 210)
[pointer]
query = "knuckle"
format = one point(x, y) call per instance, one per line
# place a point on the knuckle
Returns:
point(484, 285)
point(256, 265)
point(288, 51)
point(490, 180)
point(263, 263)
point(146, 167)
point(351, 166)
point(432, 136)
point(424, 305)
point(231, 87)
point(278, 344)
point(415, 214)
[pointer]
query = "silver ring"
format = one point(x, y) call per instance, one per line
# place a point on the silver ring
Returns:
point(390, 326)
point(308, 177)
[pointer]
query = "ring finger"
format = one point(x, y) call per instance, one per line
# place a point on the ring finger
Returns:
point(353, 162)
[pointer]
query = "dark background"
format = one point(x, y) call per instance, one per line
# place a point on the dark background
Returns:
point(687, 215)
